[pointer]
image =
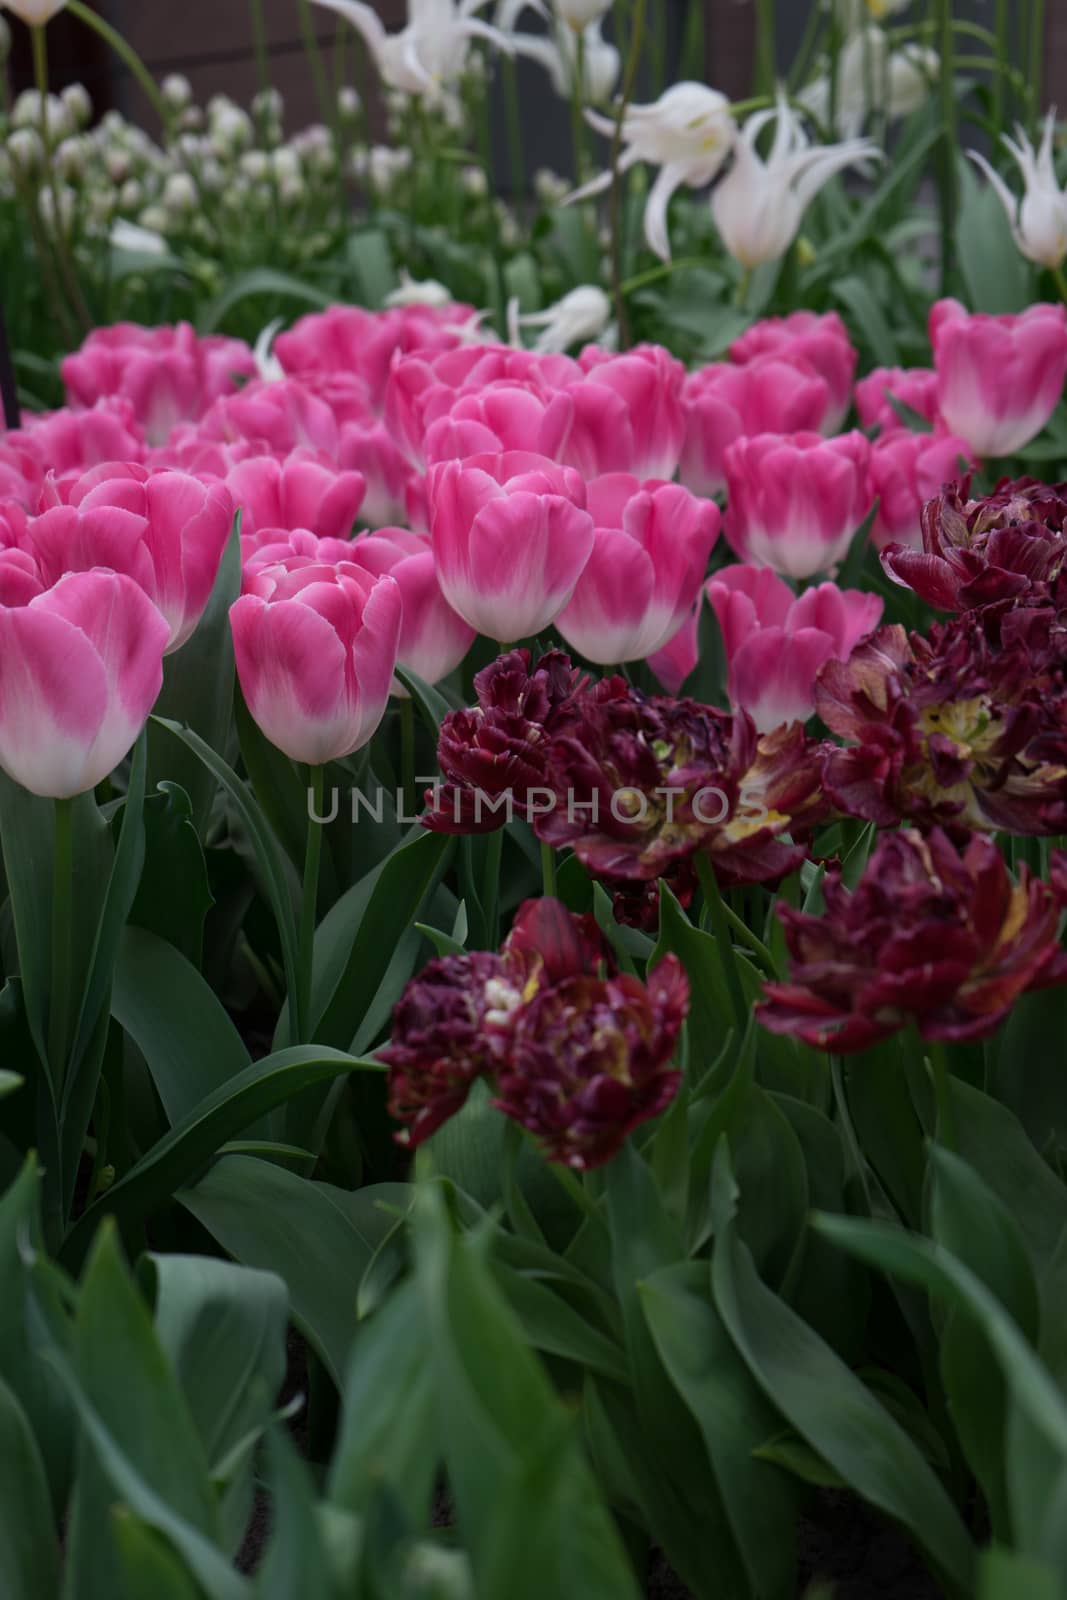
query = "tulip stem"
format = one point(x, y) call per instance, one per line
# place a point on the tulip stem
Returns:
point(946, 1126)
point(1061, 283)
point(615, 208)
point(62, 910)
point(300, 1011)
point(548, 871)
point(494, 850)
point(126, 54)
point(574, 1187)
point(407, 755)
point(716, 914)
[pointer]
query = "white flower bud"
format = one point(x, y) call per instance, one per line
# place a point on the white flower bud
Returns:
point(78, 104)
point(180, 193)
point(25, 150)
point(292, 189)
point(286, 163)
point(349, 105)
point(268, 106)
point(177, 91)
point(131, 195)
point(155, 219)
point(58, 210)
point(255, 164)
point(475, 182)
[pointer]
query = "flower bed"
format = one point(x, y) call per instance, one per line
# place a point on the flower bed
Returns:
point(533, 786)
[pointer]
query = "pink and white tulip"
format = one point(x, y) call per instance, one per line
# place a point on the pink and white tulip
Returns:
point(628, 413)
point(316, 646)
point(999, 379)
point(814, 342)
point(70, 442)
point(675, 660)
point(348, 339)
point(82, 665)
point(723, 402)
point(169, 374)
point(433, 638)
point(511, 538)
point(916, 387)
point(775, 643)
point(276, 418)
point(301, 491)
point(650, 552)
point(907, 469)
point(165, 530)
point(794, 503)
point(502, 416)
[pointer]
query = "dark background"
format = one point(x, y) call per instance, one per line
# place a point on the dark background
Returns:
point(211, 42)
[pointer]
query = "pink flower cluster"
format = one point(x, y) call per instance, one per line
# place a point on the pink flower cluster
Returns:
point(498, 491)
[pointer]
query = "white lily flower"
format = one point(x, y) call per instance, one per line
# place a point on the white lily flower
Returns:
point(33, 12)
point(579, 318)
point(418, 292)
point(688, 133)
point(759, 205)
point(559, 57)
point(872, 76)
point(430, 53)
point(1039, 217)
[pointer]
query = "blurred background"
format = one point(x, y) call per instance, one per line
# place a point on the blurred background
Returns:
point(210, 41)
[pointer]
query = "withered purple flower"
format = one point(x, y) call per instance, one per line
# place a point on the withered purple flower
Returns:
point(590, 1058)
point(966, 728)
point(933, 934)
point(1007, 546)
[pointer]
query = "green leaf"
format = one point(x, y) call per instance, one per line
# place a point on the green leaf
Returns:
point(202, 1132)
point(272, 1219)
point(526, 1500)
point(276, 783)
point(433, 706)
point(198, 690)
point(295, 1561)
point(1006, 1575)
point(404, 883)
point(856, 295)
point(147, 1561)
point(710, 1013)
point(824, 1401)
point(372, 261)
point(223, 1329)
point(734, 1419)
point(177, 1022)
point(174, 895)
point(29, 1555)
point(990, 1139)
point(552, 1325)
point(259, 281)
point(10, 1083)
point(997, 278)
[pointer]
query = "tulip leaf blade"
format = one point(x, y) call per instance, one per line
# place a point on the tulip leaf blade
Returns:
point(29, 1555)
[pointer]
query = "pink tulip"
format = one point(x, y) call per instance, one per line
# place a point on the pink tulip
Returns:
point(165, 530)
point(369, 450)
point(316, 648)
point(504, 415)
point(915, 386)
point(277, 417)
point(723, 403)
point(82, 664)
point(675, 660)
point(348, 339)
point(20, 577)
point(628, 414)
point(300, 491)
point(650, 552)
point(511, 539)
point(73, 441)
point(819, 343)
point(775, 643)
point(295, 547)
point(433, 638)
point(169, 375)
point(999, 379)
point(907, 469)
point(422, 388)
point(794, 503)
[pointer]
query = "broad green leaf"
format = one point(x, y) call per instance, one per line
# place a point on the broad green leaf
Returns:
point(710, 1013)
point(202, 1132)
point(857, 296)
point(371, 260)
point(269, 1218)
point(29, 1554)
point(198, 691)
point(261, 282)
point(295, 1561)
point(825, 1402)
point(997, 278)
point(148, 1561)
point(1006, 1575)
point(552, 1325)
point(223, 1329)
point(526, 1500)
point(177, 1022)
point(990, 1139)
point(734, 1419)
point(174, 895)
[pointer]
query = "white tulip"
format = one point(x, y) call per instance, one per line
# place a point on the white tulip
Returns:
point(1039, 217)
point(430, 53)
point(34, 12)
point(581, 14)
point(581, 316)
point(137, 240)
point(559, 57)
point(759, 205)
point(688, 133)
point(872, 76)
point(418, 292)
